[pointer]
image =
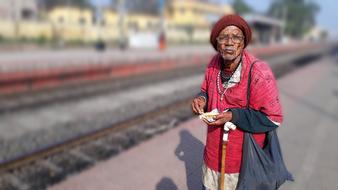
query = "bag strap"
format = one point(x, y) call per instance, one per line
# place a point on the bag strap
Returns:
point(249, 84)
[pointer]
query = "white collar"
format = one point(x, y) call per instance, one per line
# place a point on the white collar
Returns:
point(235, 78)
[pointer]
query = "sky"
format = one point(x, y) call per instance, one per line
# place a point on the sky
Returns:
point(100, 2)
point(326, 18)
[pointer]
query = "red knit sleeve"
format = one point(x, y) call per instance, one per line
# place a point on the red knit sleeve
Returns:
point(264, 92)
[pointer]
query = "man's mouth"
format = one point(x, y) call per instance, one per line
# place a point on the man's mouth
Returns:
point(228, 50)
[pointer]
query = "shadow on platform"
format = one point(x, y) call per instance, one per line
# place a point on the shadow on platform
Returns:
point(190, 151)
point(166, 184)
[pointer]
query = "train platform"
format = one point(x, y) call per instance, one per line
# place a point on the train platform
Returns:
point(16, 61)
point(51, 59)
point(31, 71)
point(167, 162)
point(172, 160)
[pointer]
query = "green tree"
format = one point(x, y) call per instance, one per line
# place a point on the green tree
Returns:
point(241, 7)
point(299, 15)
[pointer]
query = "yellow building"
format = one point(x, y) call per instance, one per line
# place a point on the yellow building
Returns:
point(25, 29)
point(71, 23)
point(197, 14)
point(142, 22)
point(110, 18)
point(188, 21)
point(79, 24)
point(184, 21)
point(108, 28)
point(71, 16)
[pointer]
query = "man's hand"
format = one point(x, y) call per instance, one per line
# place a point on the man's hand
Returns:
point(220, 119)
point(198, 104)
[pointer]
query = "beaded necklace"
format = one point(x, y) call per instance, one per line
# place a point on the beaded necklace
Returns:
point(218, 82)
point(219, 86)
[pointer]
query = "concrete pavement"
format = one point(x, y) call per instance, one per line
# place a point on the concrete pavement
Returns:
point(310, 130)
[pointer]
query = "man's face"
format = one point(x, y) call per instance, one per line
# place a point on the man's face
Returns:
point(230, 42)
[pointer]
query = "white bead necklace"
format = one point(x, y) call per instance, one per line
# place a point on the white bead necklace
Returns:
point(219, 86)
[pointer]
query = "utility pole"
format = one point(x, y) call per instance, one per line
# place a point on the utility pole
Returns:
point(162, 37)
point(16, 18)
point(121, 24)
point(99, 15)
point(100, 44)
point(68, 11)
point(284, 19)
point(161, 4)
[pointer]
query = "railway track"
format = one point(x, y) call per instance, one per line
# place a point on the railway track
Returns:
point(44, 167)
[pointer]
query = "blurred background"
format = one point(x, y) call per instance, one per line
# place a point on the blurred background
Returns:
point(119, 23)
point(82, 81)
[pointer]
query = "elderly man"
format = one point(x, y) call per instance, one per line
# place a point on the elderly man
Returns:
point(225, 88)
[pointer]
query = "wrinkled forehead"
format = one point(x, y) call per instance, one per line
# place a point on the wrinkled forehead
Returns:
point(231, 30)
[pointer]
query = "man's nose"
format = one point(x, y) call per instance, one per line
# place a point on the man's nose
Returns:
point(228, 41)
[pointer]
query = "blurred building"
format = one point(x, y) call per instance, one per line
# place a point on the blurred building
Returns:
point(142, 22)
point(71, 16)
point(195, 13)
point(18, 9)
point(72, 23)
point(19, 19)
point(107, 27)
point(316, 34)
point(110, 18)
point(190, 21)
point(184, 21)
point(266, 30)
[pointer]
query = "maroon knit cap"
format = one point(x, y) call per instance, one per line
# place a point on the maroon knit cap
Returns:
point(228, 20)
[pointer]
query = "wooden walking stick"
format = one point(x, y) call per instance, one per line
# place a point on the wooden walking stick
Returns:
point(221, 179)
point(227, 127)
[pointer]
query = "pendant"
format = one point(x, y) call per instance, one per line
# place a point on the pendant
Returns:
point(221, 97)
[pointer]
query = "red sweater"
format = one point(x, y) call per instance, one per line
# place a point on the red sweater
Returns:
point(264, 98)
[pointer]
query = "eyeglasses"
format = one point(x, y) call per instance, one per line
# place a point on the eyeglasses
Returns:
point(235, 39)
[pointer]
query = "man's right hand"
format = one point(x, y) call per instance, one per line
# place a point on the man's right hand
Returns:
point(197, 105)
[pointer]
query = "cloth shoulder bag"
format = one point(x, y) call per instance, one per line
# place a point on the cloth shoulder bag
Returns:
point(262, 168)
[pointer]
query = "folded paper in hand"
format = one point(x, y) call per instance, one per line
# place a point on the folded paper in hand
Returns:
point(209, 116)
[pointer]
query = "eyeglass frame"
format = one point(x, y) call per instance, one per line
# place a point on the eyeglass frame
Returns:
point(234, 38)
